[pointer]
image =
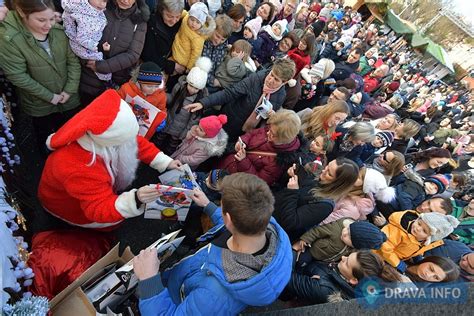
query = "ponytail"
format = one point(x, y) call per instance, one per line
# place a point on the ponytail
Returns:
point(370, 264)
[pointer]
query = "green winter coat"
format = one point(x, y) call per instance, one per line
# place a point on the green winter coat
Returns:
point(325, 240)
point(465, 230)
point(33, 72)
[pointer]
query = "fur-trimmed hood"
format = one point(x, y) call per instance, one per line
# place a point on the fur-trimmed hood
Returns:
point(215, 146)
point(375, 183)
point(208, 28)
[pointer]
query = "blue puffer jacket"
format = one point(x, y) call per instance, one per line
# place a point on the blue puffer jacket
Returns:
point(197, 285)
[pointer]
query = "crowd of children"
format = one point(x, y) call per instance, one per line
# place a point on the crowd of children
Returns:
point(369, 159)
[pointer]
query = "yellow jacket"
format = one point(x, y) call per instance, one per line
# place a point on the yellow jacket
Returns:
point(188, 44)
point(400, 244)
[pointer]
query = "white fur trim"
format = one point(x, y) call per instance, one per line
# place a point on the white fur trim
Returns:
point(375, 183)
point(90, 225)
point(48, 141)
point(386, 195)
point(123, 128)
point(161, 162)
point(305, 75)
point(126, 205)
point(291, 83)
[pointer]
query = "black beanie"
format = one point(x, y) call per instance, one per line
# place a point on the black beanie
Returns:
point(365, 235)
point(150, 73)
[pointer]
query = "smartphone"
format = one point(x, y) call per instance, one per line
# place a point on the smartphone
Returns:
point(241, 143)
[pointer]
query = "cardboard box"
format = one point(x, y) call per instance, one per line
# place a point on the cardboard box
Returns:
point(72, 301)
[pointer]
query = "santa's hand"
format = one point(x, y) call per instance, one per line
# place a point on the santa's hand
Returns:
point(175, 164)
point(200, 198)
point(148, 194)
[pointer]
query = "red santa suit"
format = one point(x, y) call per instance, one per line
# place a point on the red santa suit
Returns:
point(77, 185)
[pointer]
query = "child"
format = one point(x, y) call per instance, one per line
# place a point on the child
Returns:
point(410, 234)
point(383, 139)
point(367, 67)
point(189, 89)
point(301, 55)
point(148, 83)
point(205, 140)
point(310, 77)
point(84, 21)
point(413, 191)
point(210, 183)
point(236, 65)
point(319, 146)
point(333, 51)
point(197, 25)
point(332, 241)
point(252, 28)
point(267, 41)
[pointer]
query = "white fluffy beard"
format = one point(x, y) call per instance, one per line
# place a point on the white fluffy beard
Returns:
point(123, 163)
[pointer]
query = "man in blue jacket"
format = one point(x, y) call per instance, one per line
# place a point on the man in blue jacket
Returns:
point(246, 262)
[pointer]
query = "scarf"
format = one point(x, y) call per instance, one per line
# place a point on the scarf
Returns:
point(252, 121)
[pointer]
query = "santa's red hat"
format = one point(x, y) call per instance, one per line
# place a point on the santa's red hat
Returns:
point(108, 120)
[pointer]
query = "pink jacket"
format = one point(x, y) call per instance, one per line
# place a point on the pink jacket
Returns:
point(195, 151)
point(422, 109)
point(355, 207)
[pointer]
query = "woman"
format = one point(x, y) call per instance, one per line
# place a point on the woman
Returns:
point(360, 202)
point(301, 55)
point(36, 58)
point(387, 123)
point(433, 269)
point(308, 200)
point(288, 42)
point(237, 13)
point(162, 28)
point(241, 100)
point(264, 151)
point(390, 163)
point(349, 142)
point(266, 10)
point(426, 163)
point(125, 34)
point(404, 131)
point(317, 282)
point(323, 120)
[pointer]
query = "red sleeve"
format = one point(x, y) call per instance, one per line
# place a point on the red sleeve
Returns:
point(93, 189)
point(147, 151)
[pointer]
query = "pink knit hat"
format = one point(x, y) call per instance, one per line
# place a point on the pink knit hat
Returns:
point(254, 26)
point(211, 125)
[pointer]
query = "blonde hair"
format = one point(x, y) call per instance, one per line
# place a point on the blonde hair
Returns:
point(415, 104)
point(242, 46)
point(358, 190)
point(394, 124)
point(316, 120)
point(410, 129)
point(223, 25)
point(287, 123)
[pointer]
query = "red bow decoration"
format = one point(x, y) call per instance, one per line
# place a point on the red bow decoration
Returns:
point(335, 135)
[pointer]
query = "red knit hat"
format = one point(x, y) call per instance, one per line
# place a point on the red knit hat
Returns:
point(211, 125)
point(394, 85)
point(108, 120)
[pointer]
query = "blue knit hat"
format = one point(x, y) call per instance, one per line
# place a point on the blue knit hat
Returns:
point(365, 235)
point(441, 181)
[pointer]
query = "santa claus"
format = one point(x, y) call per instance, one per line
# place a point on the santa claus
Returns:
point(95, 158)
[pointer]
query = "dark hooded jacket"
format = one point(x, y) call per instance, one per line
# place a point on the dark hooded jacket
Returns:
point(125, 32)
